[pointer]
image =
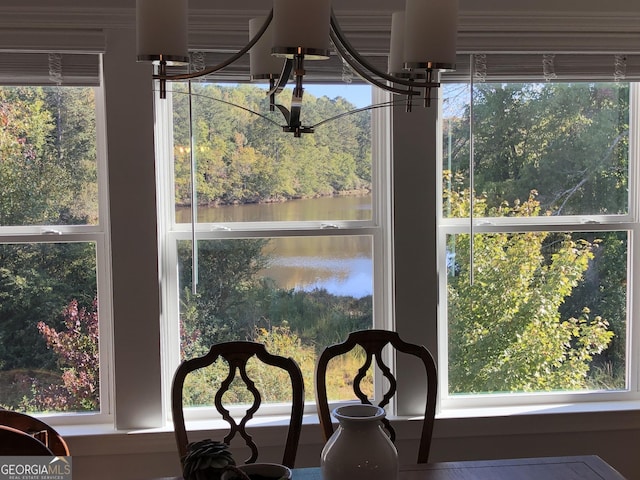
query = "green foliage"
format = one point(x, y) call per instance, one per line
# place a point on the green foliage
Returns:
point(77, 351)
point(535, 318)
point(505, 329)
point(226, 277)
point(243, 158)
point(233, 300)
point(37, 281)
point(334, 317)
point(48, 173)
point(47, 146)
point(280, 340)
point(604, 289)
point(273, 383)
point(567, 141)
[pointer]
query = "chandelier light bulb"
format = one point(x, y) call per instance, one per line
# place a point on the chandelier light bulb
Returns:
point(431, 28)
point(262, 64)
point(423, 43)
point(396, 47)
point(301, 27)
point(162, 31)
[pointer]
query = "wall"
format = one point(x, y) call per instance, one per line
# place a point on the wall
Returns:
point(137, 454)
point(614, 437)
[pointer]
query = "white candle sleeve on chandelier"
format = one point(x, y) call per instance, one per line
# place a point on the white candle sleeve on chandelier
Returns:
point(261, 63)
point(396, 46)
point(162, 30)
point(302, 25)
point(431, 29)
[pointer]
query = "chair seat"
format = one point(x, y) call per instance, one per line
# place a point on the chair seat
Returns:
point(36, 428)
point(17, 442)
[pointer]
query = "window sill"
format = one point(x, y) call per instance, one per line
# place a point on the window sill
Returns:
point(539, 409)
point(451, 423)
point(537, 419)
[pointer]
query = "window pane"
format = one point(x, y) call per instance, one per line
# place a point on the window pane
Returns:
point(296, 295)
point(546, 311)
point(49, 327)
point(347, 207)
point(48, 166)
point(566, 144)
point(243, 158)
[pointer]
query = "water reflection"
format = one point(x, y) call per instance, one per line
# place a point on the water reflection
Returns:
point(311, 209)
point(342, 265)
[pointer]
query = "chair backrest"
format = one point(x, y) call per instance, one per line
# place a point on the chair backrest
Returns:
point(17, 442)
point(237, 354)
point(373, 342)
point(36, 428)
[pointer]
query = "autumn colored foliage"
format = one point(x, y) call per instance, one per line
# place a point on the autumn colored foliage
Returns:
point(77, 350)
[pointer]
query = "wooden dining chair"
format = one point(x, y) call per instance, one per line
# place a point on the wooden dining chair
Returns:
point(373, 342)
point(36, 428)
point(237, 354)
point(16, 442)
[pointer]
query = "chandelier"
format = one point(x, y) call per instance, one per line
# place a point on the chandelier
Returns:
point(422, 44)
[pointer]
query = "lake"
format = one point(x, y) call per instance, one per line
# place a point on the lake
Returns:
point(342, 265)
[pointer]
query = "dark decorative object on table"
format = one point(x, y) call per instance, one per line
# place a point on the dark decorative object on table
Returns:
point(208, 460)
point(211, 460)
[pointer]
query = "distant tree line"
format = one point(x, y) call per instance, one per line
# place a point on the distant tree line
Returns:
point(242, 158)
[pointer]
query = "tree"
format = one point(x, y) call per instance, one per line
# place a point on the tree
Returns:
point(244, 158)
point(505, 329)
point(77, 351)
point(47, 173)
point(47, 146)
point(567, 141)
point(227, 271)
point(36, 282)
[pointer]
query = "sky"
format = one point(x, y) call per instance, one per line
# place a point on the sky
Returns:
point(359, 95)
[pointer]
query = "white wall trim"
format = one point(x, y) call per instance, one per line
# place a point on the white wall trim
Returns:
point(87, 439)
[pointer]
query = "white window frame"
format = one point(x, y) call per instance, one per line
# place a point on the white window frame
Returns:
point(378, 228)
point(450, 405)
point(98, 234)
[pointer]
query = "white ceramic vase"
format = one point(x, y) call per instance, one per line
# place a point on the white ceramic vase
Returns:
point(359, 449)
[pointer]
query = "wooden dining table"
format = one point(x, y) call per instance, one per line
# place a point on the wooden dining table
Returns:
point(587, 467)
point(546, 468)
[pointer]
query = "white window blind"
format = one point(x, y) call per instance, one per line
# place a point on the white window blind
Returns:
point(322, 71)
point(490, 67)
point(51, 57)
point(24, 68)
point(498, 67)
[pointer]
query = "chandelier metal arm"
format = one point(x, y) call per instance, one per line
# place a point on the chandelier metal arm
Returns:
point(418, 76)
point(220, 66)
point(285, 112)
point(282, 81)
point(362, 72)
point(362, 67)
point(293, 116)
